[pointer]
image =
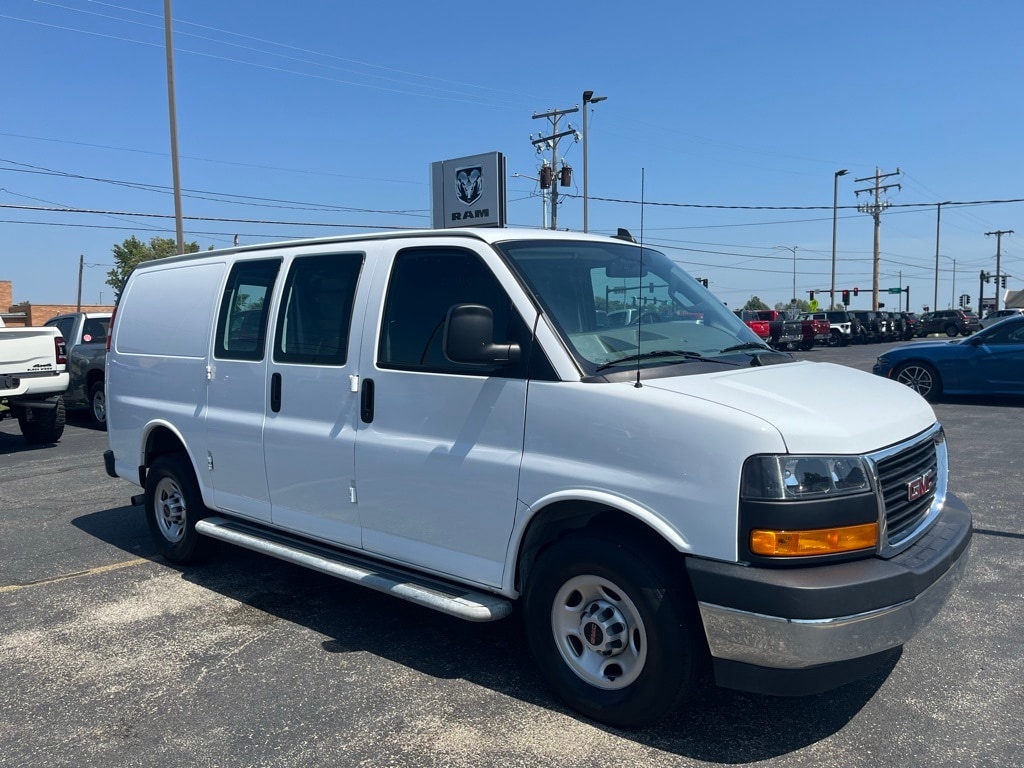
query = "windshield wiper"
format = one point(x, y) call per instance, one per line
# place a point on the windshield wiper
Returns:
point(688, 355)
point(748, 345)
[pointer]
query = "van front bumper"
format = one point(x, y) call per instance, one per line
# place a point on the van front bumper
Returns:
point(801, 619)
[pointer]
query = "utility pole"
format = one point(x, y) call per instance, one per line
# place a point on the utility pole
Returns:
point(999, 253)
point(558, 175)
point(875, 209)
point(179, 230)
point(81, 265)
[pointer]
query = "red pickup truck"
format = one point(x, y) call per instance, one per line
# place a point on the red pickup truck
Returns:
point(760, 327)
point(813, 331)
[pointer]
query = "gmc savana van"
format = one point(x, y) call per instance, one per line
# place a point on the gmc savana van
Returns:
point(448, 417)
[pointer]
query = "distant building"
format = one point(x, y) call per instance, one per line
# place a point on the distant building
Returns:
point(28, 314)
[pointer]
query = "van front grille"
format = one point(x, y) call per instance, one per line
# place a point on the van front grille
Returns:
point(911, 472)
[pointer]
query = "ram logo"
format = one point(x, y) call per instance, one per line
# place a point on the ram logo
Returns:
point(469, 183)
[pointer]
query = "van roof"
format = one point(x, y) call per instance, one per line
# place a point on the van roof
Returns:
point(487, 235)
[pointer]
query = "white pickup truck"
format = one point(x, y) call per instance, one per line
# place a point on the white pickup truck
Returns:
point(33, 377)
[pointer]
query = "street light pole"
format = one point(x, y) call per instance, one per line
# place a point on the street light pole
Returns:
point(938, 220)
point(835, 216)
point(588, 98)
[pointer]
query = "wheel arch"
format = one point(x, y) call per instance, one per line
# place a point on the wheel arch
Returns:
point(563, 514)
point(161, 438)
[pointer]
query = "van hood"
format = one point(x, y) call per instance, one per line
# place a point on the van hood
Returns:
point(816, 407)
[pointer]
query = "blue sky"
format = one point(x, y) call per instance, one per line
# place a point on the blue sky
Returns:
point(320, 117)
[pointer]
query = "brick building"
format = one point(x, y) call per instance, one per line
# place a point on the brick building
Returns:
point(28, 314)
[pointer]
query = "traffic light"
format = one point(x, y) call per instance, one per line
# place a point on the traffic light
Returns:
point(812, 296)
point(965, 300)
point(1002, 280)
point(846, 297)
point(855, 291)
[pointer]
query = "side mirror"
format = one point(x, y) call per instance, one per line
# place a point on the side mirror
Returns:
point(469, 337)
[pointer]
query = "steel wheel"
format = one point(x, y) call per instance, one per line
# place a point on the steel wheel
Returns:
point(170, 512)
point(599, 632)
point(173, 505)
point(921, 378)
point(98, 405)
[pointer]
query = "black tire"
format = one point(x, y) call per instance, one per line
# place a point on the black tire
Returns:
point(835, 338)
point(920, 377)
point(98, 405)
point(173, 506)
point(42, 426)
point(613, 629)
point(806, 345)
point(952, 330)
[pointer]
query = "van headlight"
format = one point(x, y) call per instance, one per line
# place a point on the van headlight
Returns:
point(780, 478)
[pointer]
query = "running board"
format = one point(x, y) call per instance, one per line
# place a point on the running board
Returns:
point(451, 599)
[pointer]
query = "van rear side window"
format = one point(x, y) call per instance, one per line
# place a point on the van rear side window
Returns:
point(242, 322)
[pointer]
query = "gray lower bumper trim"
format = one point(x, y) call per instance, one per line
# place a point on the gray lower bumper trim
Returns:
point(773, 641)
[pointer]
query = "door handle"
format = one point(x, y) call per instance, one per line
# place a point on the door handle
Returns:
point(366, 402)
point(275, 393)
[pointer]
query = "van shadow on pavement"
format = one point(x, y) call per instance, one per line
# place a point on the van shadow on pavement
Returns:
point(717, 726)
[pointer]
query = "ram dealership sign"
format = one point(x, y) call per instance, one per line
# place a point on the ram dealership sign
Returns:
point(468, 191)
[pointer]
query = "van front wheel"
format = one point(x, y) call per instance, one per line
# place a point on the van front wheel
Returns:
point(611, 630)
point(173, 505)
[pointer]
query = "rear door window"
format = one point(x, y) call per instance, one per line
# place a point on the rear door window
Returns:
point(242, 323)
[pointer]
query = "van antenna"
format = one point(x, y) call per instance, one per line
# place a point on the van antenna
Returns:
point(640, 308)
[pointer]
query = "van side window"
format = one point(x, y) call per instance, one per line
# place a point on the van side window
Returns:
point(316, 311)
point(425, 284)
point(242, 322)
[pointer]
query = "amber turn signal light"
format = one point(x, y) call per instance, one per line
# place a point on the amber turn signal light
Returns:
point(818, 541)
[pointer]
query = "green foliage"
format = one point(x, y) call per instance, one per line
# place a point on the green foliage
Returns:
point(132, 252)
point(801, 306)
point(755, 303)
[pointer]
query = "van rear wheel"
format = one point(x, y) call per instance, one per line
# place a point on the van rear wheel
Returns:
point(613, 630)
point(173, 506)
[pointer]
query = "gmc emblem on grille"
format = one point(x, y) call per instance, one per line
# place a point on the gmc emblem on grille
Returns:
point(919, 486)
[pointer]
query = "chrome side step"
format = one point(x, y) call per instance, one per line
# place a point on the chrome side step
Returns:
point(454, 600)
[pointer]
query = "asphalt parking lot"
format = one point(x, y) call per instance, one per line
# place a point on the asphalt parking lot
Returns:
point(109, 656)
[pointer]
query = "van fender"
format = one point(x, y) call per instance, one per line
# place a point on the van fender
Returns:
point(145, 447)
point(528, 513)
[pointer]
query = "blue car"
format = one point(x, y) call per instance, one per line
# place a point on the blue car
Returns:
point(990, 362)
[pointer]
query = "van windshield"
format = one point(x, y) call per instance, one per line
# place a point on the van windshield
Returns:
point(618, 305)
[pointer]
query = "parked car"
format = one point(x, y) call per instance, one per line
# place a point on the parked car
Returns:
point(911, 323)
point(998, 314)
point(843, 327)
point(952, 322)
point(33, 378)
point(870, 326)
point(988, 362)
point(786, 333)
point(815, 328)
point(85, 334)
point(761, 327)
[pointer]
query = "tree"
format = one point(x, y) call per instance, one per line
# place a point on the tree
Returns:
point(755, 303)
point(801, 306)
point(132, 252)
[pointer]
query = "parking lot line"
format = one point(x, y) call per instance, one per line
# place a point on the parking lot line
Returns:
point(75, 575)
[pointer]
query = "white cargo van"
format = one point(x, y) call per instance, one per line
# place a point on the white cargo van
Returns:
point(447, 417)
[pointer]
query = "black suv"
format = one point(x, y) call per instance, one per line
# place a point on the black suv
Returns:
point(871, 326)
point(952, 322)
